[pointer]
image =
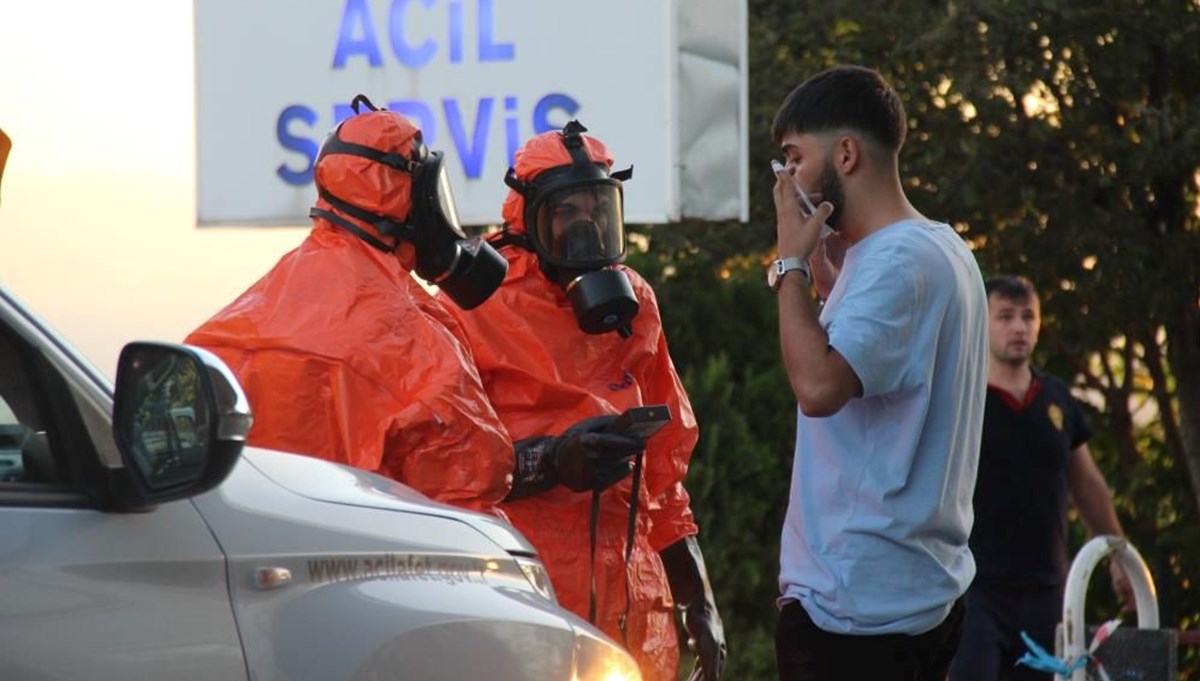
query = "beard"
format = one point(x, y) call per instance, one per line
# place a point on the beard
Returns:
point(1005, 354)
point(832, 191)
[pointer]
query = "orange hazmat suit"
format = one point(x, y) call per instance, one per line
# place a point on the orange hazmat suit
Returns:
point(344, 356)
point(543, 374)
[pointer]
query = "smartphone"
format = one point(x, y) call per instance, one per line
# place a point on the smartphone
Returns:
point(643, 421)
point(807, 209)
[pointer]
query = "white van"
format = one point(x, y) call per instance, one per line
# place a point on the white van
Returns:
point(139, 539)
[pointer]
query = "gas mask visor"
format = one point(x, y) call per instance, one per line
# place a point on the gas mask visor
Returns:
point(579, 225)
point(578, 228)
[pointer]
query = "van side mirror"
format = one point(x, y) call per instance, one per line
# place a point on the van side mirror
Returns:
point(180, 420)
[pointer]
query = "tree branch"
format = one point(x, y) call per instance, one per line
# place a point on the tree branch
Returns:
point(1162, 397)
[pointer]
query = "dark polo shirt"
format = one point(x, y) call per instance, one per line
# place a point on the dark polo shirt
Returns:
point(1021, 495)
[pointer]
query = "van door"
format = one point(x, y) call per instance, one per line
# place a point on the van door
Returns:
point(91, 595)
point(86, 594)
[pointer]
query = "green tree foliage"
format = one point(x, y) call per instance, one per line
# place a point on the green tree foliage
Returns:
point(741, 467)
point(1062, 139)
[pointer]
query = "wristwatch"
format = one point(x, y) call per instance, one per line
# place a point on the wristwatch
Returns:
point(783, 266)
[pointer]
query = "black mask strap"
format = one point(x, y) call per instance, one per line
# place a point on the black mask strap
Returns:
point(352, 228)
point(572, 134)
point(361, 100)
point(517, 184)
point(336, 145)
point(385, 225)
point(508, 237)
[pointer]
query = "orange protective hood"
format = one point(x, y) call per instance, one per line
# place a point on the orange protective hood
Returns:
point(538, 155)
point(362, 182)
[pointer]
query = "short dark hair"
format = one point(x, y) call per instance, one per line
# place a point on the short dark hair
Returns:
point(853, 97)
point(1011, 287)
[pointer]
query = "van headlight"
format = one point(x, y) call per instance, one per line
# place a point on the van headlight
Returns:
point(599, 659)
point(528, 575)
point(536, 573)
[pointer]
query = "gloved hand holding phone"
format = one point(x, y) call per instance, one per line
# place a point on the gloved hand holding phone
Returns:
point(591, 459)
point(584, 458)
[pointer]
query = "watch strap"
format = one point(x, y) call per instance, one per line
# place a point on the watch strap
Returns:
point(784, 265)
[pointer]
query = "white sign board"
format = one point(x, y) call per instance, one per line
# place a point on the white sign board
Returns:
point(478, 76)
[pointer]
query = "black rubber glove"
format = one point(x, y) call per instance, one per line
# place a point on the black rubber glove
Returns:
point(584, 458)
point(694, 597)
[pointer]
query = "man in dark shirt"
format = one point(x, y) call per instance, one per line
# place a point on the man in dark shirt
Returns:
point(1033, 455)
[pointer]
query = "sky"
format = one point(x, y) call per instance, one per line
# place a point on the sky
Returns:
point(98, 208)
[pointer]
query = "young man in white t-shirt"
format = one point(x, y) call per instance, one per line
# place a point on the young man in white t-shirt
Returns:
point(890, 377)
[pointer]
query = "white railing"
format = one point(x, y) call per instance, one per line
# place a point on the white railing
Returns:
point(1073, 630)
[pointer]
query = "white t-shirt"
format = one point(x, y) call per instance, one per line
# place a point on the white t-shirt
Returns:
point(875, 538)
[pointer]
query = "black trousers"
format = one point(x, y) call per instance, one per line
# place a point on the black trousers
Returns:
point(805, 652)
point(991, 641)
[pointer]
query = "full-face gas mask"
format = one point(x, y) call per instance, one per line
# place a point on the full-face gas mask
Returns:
point(468, 269)
point(574, 220)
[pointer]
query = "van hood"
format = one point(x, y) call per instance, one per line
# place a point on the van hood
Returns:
point(333, 483)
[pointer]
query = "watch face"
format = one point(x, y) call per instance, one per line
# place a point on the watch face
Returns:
point(773, 276)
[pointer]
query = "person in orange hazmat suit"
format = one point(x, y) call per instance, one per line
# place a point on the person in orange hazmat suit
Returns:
point(343, 355)
point(558, 342)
